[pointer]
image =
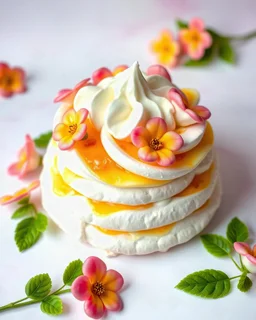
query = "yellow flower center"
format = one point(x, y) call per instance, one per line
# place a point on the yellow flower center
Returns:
point(6, 81)
point(72, 128)
point(195, 36)
point(98, 288)
point(155, 144)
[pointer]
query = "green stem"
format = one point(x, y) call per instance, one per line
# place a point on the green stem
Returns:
point(57, 291)
point(238, 267)
point(235, 277)
point(244, 37)
point(16, 304)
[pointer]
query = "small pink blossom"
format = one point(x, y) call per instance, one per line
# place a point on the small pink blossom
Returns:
point(68, 95)
point(248, 255)
point(72, 128)
point(198, 113)
point(155, 143)
point(102, 73)
point(20, 194)
point(195, 39)
point(28, 159)
point(98, 288)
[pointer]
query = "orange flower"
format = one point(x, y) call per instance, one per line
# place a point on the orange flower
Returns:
point(12, 80)
point(28, 159)
point(20, 194)
point(166, 49)
point(195, 39)
point(98, 288)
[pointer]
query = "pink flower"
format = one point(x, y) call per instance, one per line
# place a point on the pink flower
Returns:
point(28, 159)
point(12, 80)
point(155, 143)
point(71, 129)
point(198, 113)
point(20, 194)
point(98, 288)
point(68, 95)
point(102, 73)
point(195, 39)
point(248, 255)
point(159, 70)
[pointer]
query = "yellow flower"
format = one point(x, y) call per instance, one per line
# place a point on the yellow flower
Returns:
point(166, 49)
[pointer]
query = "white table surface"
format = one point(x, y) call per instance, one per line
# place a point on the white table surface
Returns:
point(61, 42)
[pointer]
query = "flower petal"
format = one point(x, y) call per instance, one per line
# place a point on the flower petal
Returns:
point(94, 307)
point(33, 185)
point(192, 95)
point(15, 169)
point(81, 84)
point(80, 132)
point(201, 111)
point(251, 258)
point(242, 248)
point(14, 198)
point(196, 52)
point(178, 98)
point(206, 39)
point(66, 143)
point(119, 69)
point(112, 301)
point(94, 268)
point(254, 250)
point(172, 141)
point(62, 95)
point(101, 74)
point(81, 288)
point(159, 70)
point(249, 263)
point(157, 127)
point(81, 115)
point(69, 117)
point(194, 116)
point(165, 157)
point(60, 131)
point(113, 280)
point(196, 23)
point(140, 137)
point(147, 154)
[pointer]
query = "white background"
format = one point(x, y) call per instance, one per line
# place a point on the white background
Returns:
point(61, 42)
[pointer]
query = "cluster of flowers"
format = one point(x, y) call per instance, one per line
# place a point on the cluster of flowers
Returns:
point(191, 41)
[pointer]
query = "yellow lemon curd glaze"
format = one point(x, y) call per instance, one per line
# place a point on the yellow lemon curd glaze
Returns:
point(97, 160)
point(59, 186)
point(199, 183)
point(184, 160)
point(160, 231)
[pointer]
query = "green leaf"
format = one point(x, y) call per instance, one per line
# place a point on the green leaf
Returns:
point(52, 305)
point(27, 209)
point(245, 283)
point(226, 52)
point(39, 286)
point(73, 270)
point(210, 284)
point(26, 234)
point(43, 140)
point(216, 245)
point(41, 222)
point(24, 201)
point(181, 24)
point(237, 231)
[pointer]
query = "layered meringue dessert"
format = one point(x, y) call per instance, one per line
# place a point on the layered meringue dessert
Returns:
point(131, 168)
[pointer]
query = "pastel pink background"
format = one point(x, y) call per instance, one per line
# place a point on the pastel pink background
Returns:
point(61, 42)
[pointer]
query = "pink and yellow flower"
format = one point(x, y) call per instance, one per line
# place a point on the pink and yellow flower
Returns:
point(71, 129)
point(157, 69)
point(98, 288)
point(102, 73)
point(20, 194)
point(195, 39)
point(68, 95)
point(155, 143)
point(248, 255)
point(28, 159)
point(166, 49)
point(12, 80)
point(198, 113)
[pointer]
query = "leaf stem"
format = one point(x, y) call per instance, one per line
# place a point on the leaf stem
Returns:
point(244, 37)
point(16, 304)
point(235, 277)
point(236, 264)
